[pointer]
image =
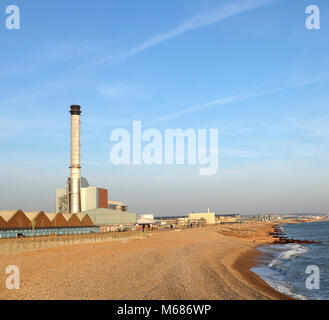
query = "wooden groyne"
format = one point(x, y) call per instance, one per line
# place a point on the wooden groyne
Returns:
point(281, 238)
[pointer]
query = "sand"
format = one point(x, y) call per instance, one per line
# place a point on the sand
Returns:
point(208, 263)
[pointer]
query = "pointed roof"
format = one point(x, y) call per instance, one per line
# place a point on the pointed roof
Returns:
point(81, 216)
point(67, 216)
point(50, 216)
point(31, 215)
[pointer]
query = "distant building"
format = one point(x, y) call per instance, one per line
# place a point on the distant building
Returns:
point(117, 205)
point(146, 216)
point(183, 221)
point(208, 218)
point(146, 219)
point(268, 217)
point(229, 218)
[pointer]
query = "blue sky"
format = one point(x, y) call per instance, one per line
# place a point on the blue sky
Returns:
point(168, 64)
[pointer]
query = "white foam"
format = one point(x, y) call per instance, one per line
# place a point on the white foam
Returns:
point(294, 250)
point(275, 280)
point(284, 288)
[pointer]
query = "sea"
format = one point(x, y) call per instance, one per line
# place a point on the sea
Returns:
point(284, 267)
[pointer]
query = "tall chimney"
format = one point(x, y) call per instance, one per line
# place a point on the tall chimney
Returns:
point(75, 202)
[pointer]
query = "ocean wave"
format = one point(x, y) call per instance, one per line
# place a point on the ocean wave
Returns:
point(283, 266)
point(277, 281)
point(293, 250)
point(284, 288)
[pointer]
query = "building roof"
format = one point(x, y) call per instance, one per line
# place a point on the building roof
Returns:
point(67, 216)
point(81, 216)
point(50, 216)
point(102, 217)
point(31, 215)
point(7, 215)
point(201, 213)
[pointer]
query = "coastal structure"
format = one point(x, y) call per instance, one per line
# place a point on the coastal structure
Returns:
point(80, 197)
point(208, 217)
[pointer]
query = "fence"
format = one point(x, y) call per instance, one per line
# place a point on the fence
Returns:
point(11, 246)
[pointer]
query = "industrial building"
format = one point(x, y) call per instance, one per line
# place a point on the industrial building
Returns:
point(80, 208)
point(80, 197)
point(108, 217)
point(91, 198)
point(28, 224)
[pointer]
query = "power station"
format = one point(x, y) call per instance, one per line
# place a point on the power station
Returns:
point(79, 196)
point(80, 208)
point(74, 187)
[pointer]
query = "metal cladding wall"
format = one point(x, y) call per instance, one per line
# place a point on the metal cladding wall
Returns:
point(93, 198)
point(19, 220)
point(88, 198)
point(105, 217)
point(102, 198)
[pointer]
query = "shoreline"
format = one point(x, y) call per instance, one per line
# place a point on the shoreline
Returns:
point(250, 260)
point(245, 261)
point(253, 255)
point(193, 264)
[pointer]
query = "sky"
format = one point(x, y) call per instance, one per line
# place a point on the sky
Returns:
point(251, 69)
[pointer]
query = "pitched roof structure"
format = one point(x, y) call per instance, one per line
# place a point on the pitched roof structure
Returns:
point(19, 219)
point(31, 215)
point(7, 215)
point(50, 216)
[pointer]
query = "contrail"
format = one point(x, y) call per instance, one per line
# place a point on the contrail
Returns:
point(231, 99)
point(198, 21)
